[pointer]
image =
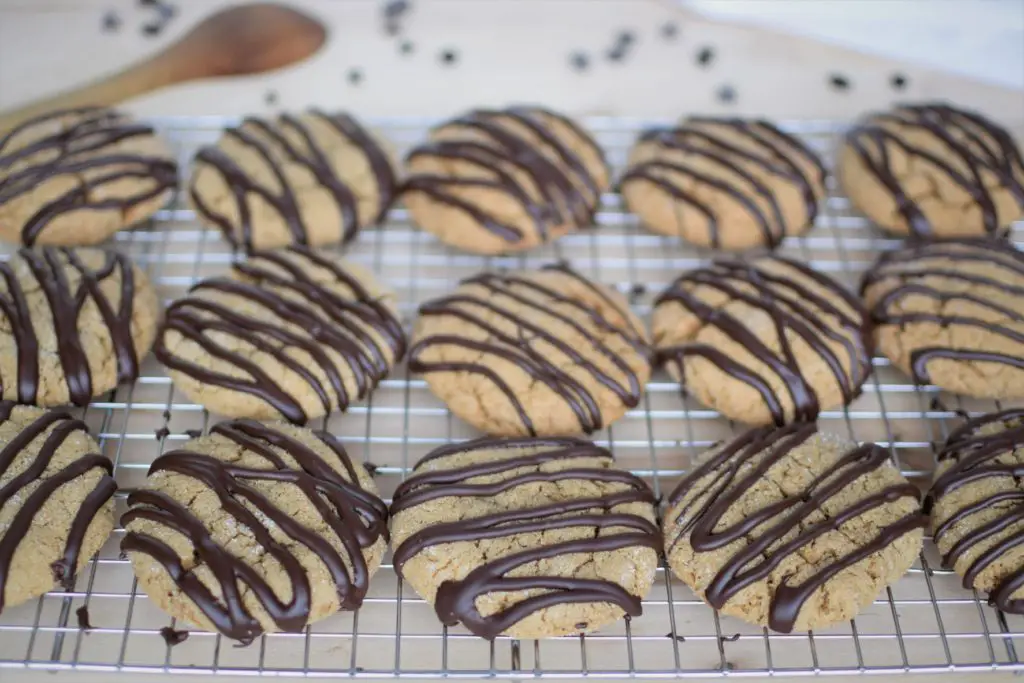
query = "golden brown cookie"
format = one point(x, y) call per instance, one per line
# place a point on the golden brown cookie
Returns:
point(312, 179)
point(73, 324)
point(291, 333)
point(933, 171)
point(539, 353)
point(255, 528)
point(952, 314)
point(763, 340)
point(77, 176)
point(530, 538)
point(792, 529)
point(723, 182)
point(56, 507)
point(494, 181)
point(977, 503)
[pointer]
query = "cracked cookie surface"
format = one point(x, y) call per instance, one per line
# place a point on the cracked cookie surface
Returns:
point(291, 333)
point(312, 178)
point(933, 171)
point(74, 322)
point(952, 314)
point(792, 529)
point(77, 176)
point(977, 500)
point(255, 527)
point(724, 183)
point(763, 340)
point(531, 538)
point(543, 352)
point(56, 501)
point(507, 180)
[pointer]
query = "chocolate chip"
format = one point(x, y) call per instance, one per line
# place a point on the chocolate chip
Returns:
point(676, 636)
point(396, 8)
point(270, 98)
point(705, 56)
point(371, 468)
point(898, 81)
point(406, 47)
point(449, 56)
point(162, 433)
point(579, 61)
point(167, 11)
point(726, 94)
point(635, 292)
point(152, 29)
point(731, 639)
point(839, 82)
point(582, 625)
point(172, 637)
point(82, 614)
point(625, 38)
point(111, 21)
point(669, 30)
point(149, 3)
point(355, 76)
point(193, 433)
point(616, 54)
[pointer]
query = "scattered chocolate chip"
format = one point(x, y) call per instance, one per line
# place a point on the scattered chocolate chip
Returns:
point(625, 38)
point(152, 29)
point(705, 56)
point(162, 433)
point(82, 613)
point(172, 637)
point(167, 415)
point(396, 8)
point(406, 47)
point(731, 639)
point(582, 625)
point(371, 468)
point(355, 76)
point(636, 291)
point(937, 404)
point(60, 574)
point(270, 98)
point(726, 94)
point(616, 54)
point(167, 11)
point(149, 3)
point(193, 433)
point(898, 81)
point(122, 555)
point(839, 82)
point(111, 21)
point(669, 30)
point(579, 61)
point(676, 636)
point(449, 56)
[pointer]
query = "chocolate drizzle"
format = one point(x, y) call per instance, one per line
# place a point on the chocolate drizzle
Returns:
point(974, 152)
point(456, 600)
point(290, 140)
point(982, 449)
point(702, 499)
point(522, 155)
point(356, 517)
point(681, 153)
point(800, 304)
point(37, 488)
point(932, 271)
point(52, 270)
point(83, 150)
point(489, 296)
point(300, 312)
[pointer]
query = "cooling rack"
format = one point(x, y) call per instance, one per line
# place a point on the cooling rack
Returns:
point(924, 623)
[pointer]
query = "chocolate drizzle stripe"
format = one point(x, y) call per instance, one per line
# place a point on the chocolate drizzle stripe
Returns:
point(358, 329)
point(50, 268)
point(518, 350)
point(60, 426)
point(973, 141)
point(784, 300)
point(357, 518)
point(455, 601)
point(972, 451)
point(64, 154)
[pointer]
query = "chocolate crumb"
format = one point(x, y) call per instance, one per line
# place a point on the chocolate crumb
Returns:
point(355, 76)
point(167, 415)
point(149, 3)
point(172, 637)
point(406, 47)
point(167, 11)
point(82, 614)
point(449, 56)
point(616, 54)
point(839, 82)
point(898, 81)
point(676, 636)
point(937, 404)
point(371, 468)
point(162, 433)
point(579, 61)
point(705, 56)
point(731, 639)
point(152, 29)
point(625, 38)
point(193, 433)
point(726, 94)
point(111, 21)
point(636, 291)
point(582, 625)
point(396, 8)
point(270, 98)
point(669, 30)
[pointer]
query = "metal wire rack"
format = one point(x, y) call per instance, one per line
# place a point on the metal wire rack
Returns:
point(924, 623)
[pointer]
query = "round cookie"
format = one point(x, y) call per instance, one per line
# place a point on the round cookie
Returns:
point(73, 324)
point(56, 501)
point(290, 334)
point(312, 178)
point(933, 171)
point(791, 529)
point(496, 181)
point(977, 501)
point(723, 182)
point(530, 538)
point(255, 528)
point(77, 176)
point(538, 353)
point(952, 314)
point(766, 340)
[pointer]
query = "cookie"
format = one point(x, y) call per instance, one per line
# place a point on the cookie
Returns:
point(765, 340)
point(312, 179)
point(75, 323)
point(77, 176)
point(977, 500)
point(933, 171)
point(791, 529)
point(538, 353)
point(56, 501)
point(530, 538)
point(952, 314)
point(255, 528)
point(496, 181)
point(291, 334)
point(724, 183)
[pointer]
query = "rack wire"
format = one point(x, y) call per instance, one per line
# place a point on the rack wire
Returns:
point(926, 622)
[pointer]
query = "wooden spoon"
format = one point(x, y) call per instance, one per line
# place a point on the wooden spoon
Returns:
point(246, 39)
